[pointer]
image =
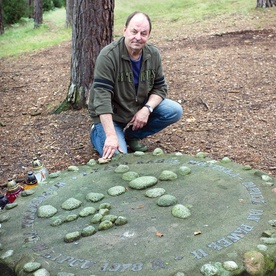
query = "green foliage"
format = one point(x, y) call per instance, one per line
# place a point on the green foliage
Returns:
point(13, 10)
point(59, 3)
point(48, 5)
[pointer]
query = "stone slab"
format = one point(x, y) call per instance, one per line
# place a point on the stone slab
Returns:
point(230, 208)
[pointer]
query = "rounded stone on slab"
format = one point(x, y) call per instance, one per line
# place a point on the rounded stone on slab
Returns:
point(104, 225)
point(254, 263)
point(166, 200)
point(158, 152)
point(88, 231)
point(180, 211)
point(31, 267)
point(94, 197)
point(116, 190)
point(230, 265)
point(73, 168)
point(87, 211)
point(122, 169)
point(155, 192)
point(71, 204)
point(111, 218)
point(46, 211)
point(73, 236)
point(143, 182)
point(41, 272)
point(96, 218)
point(105, 205)
point(121, 221)
point(184, 170)
point(128, 176)
point(209, 269)
point(167, 175)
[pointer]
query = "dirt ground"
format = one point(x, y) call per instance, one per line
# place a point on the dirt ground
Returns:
point(222, 71)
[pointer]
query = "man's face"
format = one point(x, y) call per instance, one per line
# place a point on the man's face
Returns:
point(137, 33)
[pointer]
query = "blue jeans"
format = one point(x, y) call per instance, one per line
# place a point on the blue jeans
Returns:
point(165, 114)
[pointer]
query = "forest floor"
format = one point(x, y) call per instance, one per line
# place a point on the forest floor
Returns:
point(222, 71)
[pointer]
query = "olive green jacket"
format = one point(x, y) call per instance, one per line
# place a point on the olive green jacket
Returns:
point(113, 90)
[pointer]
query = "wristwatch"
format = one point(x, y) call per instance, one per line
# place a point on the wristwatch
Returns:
point(149, 108)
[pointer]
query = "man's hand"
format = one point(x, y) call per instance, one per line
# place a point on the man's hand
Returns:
point(140, 119)
point(110, 146)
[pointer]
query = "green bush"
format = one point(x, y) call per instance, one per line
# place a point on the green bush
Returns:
point(48, 5)
point(59, 3)
point(13, 10)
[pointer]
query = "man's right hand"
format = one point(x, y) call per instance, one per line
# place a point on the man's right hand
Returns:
point(110, 146)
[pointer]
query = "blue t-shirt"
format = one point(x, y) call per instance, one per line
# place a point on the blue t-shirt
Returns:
point(136, 67)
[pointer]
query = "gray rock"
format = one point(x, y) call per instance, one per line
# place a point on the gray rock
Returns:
point(128, 176)
point(54, 175)
point(103, 212)
point(71, 204)
point(87, 211)
point(92, 162)
point(28, 192)
point(247, 168)
point(138, 153)
point(122, 169)
point(121, 221)
point(230, 265)
point(41, 272)
point(116, 190)
point(6, 254)
point(156, 192)
point(46, 211)
point(105, 205)
point(166, 200)
point(262, 247)
point(184, 170)
point(31, 267)
point(158, 152)
point(180, 211)
point(96, 219)
point(167, 175)
point(57, 222)
point(94, 197)
point(268, 240)
point(70, 217)
point(73, 236)
point(4, 217)
point(11, 206)
point(226, 160)
point(111, 218)
point(88, 231)
point(104, 225)
point(65, 274)
point(272, 222)
point(209, 270)
point(143, 182)
point(201, 155)
point(73, 168)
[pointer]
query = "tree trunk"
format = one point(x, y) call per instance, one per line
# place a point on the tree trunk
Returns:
point(265, 3)
point(38, 13)
point(1, 19)
point(69, 13)
point(92, 30)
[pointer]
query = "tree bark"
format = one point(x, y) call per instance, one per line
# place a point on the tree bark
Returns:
point(1, 19)
point(69, 13)
point(38, 13)
point(265, 3)
point(92, 30)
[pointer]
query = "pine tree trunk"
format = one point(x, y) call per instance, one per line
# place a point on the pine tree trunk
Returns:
point(265, 3)
point(38, 13)
point(69, 13)
point(92, 30)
